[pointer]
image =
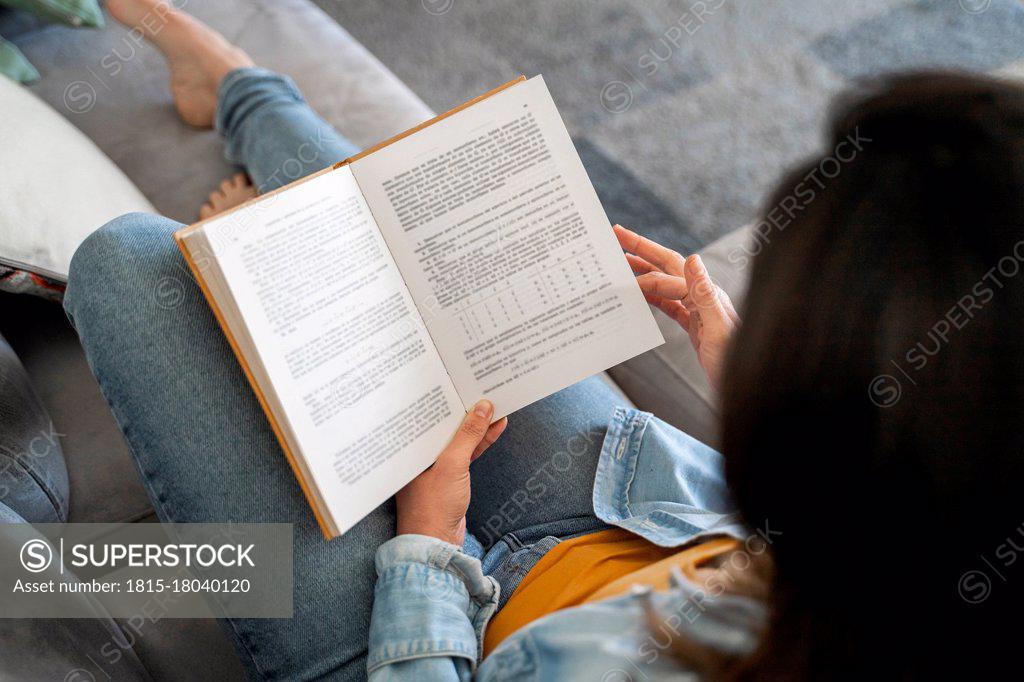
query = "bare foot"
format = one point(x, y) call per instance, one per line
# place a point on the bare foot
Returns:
point(233, 191)
point(199, 57)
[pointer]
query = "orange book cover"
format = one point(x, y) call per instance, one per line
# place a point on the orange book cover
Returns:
point(197, 272)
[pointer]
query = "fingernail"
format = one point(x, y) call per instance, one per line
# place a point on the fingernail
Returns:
point(700, 262)
point(484, 408)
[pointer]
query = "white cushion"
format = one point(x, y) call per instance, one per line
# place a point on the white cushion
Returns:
point(177, 166)
point(56, 186)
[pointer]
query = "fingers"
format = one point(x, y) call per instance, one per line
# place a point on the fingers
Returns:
point(669, 306)
point(471, 434)
point(654, 253)
point(730, 309)
point(662, 285)
point(493, 432)
point(638, 265)
point(705, 296)
point(674, 309)
point(474, 426)
point(679, 287)
point(658, 292)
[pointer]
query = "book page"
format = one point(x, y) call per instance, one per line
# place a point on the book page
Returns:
point(506, 249)
point(365, 395)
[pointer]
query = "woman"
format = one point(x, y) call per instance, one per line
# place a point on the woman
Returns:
point(630, 563)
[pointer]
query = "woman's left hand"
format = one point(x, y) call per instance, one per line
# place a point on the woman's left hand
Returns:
point(682, 289)
point(435, 502)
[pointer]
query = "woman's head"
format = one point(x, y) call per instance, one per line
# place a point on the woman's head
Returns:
point(874, 396)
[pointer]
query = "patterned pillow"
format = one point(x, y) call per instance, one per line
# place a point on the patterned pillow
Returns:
point(15, 281)
point(70, 12)
point(14, 65)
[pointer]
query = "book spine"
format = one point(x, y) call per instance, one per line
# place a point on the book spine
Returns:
point(278, 432)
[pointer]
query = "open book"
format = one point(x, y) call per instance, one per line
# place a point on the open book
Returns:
point(373, 303)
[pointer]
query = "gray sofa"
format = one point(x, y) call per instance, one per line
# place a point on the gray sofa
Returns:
point(175, 167)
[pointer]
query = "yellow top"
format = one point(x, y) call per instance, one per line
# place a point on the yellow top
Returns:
point(595, 567)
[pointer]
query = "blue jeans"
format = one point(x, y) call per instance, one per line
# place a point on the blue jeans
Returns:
point(207, 454)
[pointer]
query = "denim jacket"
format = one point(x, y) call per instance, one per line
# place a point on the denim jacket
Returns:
point(433, 601)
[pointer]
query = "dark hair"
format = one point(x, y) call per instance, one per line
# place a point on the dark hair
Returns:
point(873, 399)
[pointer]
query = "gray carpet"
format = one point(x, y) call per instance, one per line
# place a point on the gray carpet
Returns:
point(684, 112)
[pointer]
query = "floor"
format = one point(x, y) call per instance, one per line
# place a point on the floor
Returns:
point(685, 112)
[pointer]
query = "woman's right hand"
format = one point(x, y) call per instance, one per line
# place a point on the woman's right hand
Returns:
point(682, 289)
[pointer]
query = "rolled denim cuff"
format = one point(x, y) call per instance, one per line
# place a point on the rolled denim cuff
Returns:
point(690, 474)
point(431, 600)
point(242, 92)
